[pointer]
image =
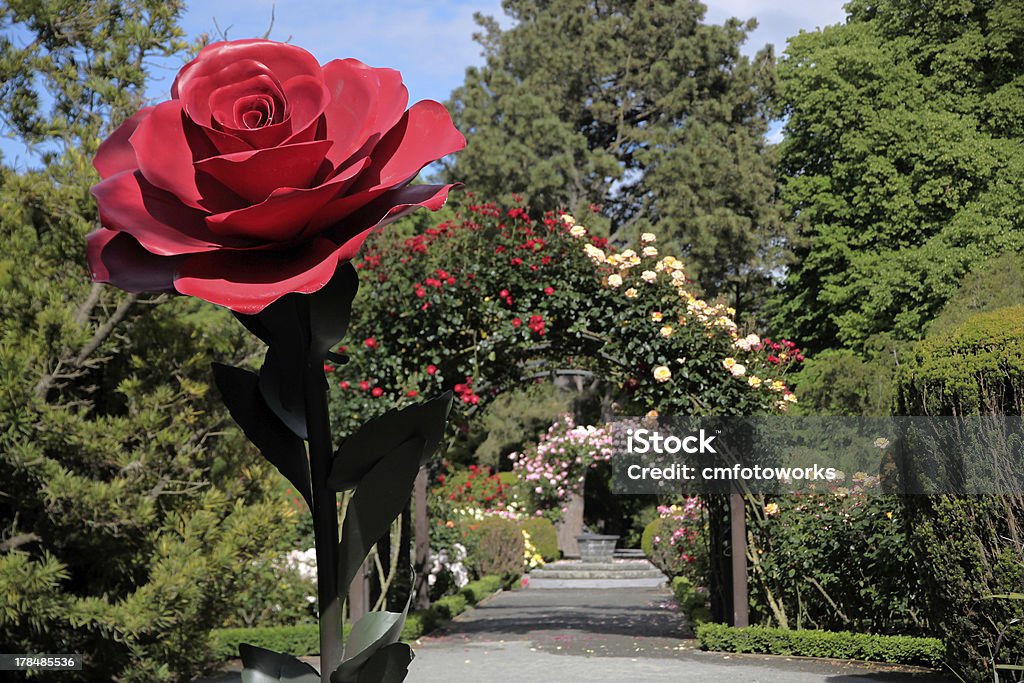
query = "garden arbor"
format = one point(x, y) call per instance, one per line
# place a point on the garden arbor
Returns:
point(493, 298)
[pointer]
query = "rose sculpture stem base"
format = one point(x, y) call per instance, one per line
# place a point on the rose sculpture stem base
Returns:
point(325, 520)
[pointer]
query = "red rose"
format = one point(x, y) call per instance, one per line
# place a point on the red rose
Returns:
point(377, 392)
point(549, 290)
point(431, 369)
point(371, 342)
point(261, 174)
point(364, 385)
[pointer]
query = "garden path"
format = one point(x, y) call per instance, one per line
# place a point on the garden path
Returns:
point(607, 636)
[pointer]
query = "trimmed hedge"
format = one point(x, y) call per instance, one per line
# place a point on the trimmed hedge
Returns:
point(299, 640)
point(831, 644)
point(304, 639)
point(475, 591)
point(543, 536)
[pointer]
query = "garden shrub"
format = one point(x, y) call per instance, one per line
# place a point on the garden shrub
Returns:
point(299, 640)
point(496, 547)
point(675, 542)
point(805, 549)
point(977, 368)
point(831, 644)
point(692, 600)
point(543, 535)
point(451, 606)
point(304, 639)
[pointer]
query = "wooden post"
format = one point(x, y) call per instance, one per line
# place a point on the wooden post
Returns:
point(738, 541)
point(422, 554)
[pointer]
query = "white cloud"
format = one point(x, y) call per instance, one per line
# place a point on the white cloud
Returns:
point(776, 20)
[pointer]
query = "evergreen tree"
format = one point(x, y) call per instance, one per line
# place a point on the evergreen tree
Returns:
point(128, 507)
point(636, 106)
point(902, 162)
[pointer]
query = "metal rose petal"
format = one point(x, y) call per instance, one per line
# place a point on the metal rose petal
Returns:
point(249, 281)
point(116, 258)
point(116, 153)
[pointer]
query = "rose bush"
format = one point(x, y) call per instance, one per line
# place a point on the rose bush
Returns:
point(261, 174)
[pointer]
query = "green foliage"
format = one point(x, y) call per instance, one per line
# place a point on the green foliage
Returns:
point(838, 559)
point(676, 542)
point(496, 547)
point(451, 606)
point(831, 644)
point(692, 601)
point(842, 382)
point(902, 163)
point(438, 298)
point(974, 369)
point(578, 98)
point(996, 283)
point(543, 535)
point(299, 639)
point(977, 368)
point(509, 421)
point(304, 639)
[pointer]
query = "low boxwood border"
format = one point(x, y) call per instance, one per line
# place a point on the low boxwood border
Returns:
point(304, 639)
point(909, 650)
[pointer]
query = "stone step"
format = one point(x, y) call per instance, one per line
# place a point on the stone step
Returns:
point(577, 574)
point(629, 553)
point(624, 565)
point(543, 584)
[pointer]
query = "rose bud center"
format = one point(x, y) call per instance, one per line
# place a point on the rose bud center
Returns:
point(254, 111)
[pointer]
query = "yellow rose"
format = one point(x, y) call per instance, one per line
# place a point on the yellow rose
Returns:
point(754, 381)
point(647, 237)
point(649, 252)
point(577, 231)
point(662, 373)
point(649, 276)
point(656, 316)
point(631, 293)
point(728, 363)
point(614, 280)
point(568, 219)
point(667, 331)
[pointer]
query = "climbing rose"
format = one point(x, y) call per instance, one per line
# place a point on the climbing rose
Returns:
point(261, 174)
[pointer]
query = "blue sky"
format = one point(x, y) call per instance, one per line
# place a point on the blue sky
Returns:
point(429, 42)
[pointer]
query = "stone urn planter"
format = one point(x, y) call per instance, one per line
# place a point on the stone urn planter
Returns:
point(596, 547)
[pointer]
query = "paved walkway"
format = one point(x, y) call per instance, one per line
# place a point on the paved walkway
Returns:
point(605, 636)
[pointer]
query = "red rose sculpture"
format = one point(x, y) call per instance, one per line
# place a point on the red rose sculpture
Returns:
point(262, 173)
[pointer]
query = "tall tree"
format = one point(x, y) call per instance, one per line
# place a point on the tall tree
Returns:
point(902, 162)
point(123, 527)
point(639, 107)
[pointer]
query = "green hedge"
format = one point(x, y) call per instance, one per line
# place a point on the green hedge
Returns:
point(298, 640)
point(543, 536)
point(304, 639)
point(831, 644)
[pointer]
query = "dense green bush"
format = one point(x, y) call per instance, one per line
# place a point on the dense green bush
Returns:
point(496, 547)
point(835, 560)
point(831, 644)
point(543, 536)
point(676, 541)
point(304, 639)
point(475, 591)
point(299, 640)
point(692, 600)
point(977, 368)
